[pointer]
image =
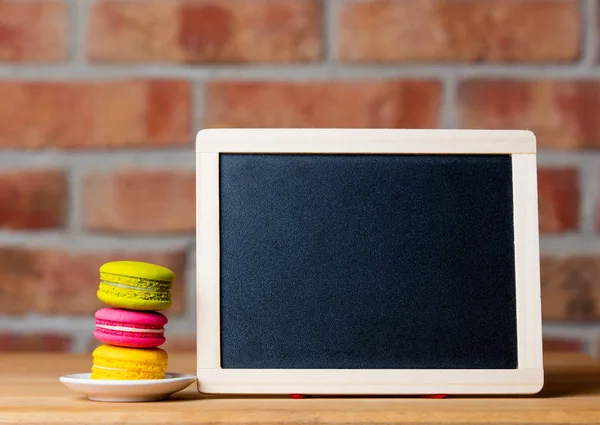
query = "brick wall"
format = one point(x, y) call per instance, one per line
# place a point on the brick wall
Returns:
point(100, 100)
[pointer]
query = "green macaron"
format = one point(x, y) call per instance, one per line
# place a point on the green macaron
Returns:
point(135, 285)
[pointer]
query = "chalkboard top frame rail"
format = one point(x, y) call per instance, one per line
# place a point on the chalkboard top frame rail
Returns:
point(527, 378)
point(363, 141)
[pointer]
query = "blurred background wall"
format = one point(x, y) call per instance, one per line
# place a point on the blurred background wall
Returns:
point(100, 101)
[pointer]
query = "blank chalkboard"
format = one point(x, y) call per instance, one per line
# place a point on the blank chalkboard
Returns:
point(361, 261)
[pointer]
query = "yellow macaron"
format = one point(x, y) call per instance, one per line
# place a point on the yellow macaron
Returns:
point(135, 285)
point(124, 363)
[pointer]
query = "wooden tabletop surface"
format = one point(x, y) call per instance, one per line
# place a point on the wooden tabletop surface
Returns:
point(31, 393)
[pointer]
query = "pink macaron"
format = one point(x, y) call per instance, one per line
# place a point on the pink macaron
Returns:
point(128, 328)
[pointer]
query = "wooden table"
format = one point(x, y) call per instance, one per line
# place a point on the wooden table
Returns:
point(31, 393)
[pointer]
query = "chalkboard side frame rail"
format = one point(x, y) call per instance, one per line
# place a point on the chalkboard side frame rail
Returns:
point(526, 379)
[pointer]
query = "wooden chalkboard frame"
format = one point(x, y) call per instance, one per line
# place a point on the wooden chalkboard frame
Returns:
point(520, 144)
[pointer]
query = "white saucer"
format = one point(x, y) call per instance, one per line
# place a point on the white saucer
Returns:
point(127, 391)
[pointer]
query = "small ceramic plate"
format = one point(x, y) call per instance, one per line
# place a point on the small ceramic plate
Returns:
point(127, 391)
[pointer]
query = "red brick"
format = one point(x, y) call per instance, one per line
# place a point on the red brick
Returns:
point(41, 342)
point(205, 31)
point(104, 114)
point(559, 199)
point(138, 200)
point(466, 30)
point(33, 199)
point(370, 104)
point(20, 270)
point(33, 31)
point(563, 345)
point(561, 113)
point(571, 288)
point(49, 281)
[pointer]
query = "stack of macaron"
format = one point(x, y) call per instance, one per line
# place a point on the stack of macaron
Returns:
point(132, 329)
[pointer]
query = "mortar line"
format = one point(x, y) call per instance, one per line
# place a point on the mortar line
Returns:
point(95, 243)
point(588, 184)
point(46, 324)
point(75, 200)
point(448, 115)
point(79, 20)
point(556, 158)
point(198, 108)
point(571, 244)
point(588, 28)
point(553, 329)
point(99, 160)
point(72, 29)
point(330, 28)
point(310, 72)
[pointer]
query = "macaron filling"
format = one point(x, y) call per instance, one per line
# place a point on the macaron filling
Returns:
point(125, 286)
point(106, 368)
point(127, 329)
point(134, 292)
point(136, 282)
point(131, 331)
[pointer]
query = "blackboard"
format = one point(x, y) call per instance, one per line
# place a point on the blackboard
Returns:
point(360, 261)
